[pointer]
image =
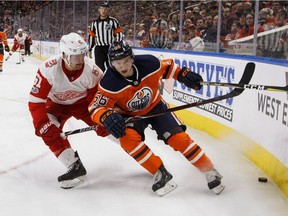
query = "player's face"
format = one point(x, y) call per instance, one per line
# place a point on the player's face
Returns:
point(76, 62)
point(124, 66)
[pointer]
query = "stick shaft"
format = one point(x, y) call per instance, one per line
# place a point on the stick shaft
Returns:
point(245, 79)
point(248, 86)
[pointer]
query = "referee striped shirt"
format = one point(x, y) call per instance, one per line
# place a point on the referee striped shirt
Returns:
point(104, 32)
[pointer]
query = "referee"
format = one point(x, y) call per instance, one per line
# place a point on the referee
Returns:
point(103, 32)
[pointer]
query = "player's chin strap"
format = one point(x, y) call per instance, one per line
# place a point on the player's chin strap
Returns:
point(245, 79)
point(65, 57)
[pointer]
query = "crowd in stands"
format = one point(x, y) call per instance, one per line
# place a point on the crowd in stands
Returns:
point(158, 24)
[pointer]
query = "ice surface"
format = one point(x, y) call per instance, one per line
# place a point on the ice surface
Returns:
point(116, 184)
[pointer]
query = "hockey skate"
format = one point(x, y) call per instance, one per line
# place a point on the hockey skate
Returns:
point(163, 182)
point(214, 181)
point(74, 176)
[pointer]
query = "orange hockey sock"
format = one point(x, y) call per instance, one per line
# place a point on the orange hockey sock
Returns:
point(190, 149)
point(137, 149)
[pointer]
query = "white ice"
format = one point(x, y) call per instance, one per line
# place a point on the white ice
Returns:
point(116, 184)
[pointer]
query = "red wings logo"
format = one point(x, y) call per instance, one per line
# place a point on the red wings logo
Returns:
point(68, 95)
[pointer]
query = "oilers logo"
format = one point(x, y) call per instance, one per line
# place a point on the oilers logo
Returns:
point(141, 99)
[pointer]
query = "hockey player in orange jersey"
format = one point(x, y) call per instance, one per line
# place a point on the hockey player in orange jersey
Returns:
point(128, 88)
point(19, 43)
point(3, 46)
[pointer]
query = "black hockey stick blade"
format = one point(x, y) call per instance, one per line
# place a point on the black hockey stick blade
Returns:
point(245, 79)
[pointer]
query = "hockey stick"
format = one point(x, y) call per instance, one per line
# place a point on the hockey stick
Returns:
point(6, 59)
point(81, 130)
point(248, 86)
point(245, 79)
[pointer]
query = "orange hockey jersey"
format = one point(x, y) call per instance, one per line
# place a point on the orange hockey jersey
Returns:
point(136, 97)
point(3, 38)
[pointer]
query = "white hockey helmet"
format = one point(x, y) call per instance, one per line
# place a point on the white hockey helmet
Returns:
point(19, 30)
point(72, 44)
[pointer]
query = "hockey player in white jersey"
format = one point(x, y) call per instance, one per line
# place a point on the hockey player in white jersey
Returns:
point(64, 86)
point(19, 44)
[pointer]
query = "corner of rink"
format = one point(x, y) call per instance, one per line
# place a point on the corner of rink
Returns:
point(254, 152)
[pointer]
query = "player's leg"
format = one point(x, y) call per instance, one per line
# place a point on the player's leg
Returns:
point(76, 172)
point(133, 144)
point(171, 130)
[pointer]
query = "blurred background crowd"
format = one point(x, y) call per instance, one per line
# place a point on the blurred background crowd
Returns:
point(216, 26)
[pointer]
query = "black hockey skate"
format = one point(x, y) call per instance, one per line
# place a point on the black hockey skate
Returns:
point(214, 181)
point(74, 176)
point(163, 182)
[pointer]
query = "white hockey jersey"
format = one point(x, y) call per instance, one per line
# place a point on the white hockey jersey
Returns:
point(20, 40)
point(53, 81)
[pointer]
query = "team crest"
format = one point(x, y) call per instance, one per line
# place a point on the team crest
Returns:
point(108, 27)
point(141, 99)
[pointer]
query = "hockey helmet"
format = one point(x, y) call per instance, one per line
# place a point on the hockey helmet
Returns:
point(119, 50)
point(19, 30)
point(72, 44)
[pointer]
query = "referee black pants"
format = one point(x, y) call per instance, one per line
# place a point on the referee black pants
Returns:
point(101, 56)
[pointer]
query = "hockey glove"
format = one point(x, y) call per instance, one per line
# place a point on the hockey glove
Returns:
point(114, 123)
point(101, 131)
point(7, 48)
point(50, 133)
point(190, 79)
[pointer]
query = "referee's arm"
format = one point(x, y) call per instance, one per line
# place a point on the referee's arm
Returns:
point(91, 37)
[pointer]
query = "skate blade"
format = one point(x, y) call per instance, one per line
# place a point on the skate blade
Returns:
point(217, 190)
point(68, 184)
point(170, 186)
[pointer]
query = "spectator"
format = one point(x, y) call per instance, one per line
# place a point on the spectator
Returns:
point(201, 27)
point(141, 32)
point(227, 18)
point(211, 32)
point(158, 36)
point(173, 38)
point(280, 18)
point(235, 28)
point(197, 44)
point(185, 45)
point(248, 29)
point(275, 45)
point(265, 19)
